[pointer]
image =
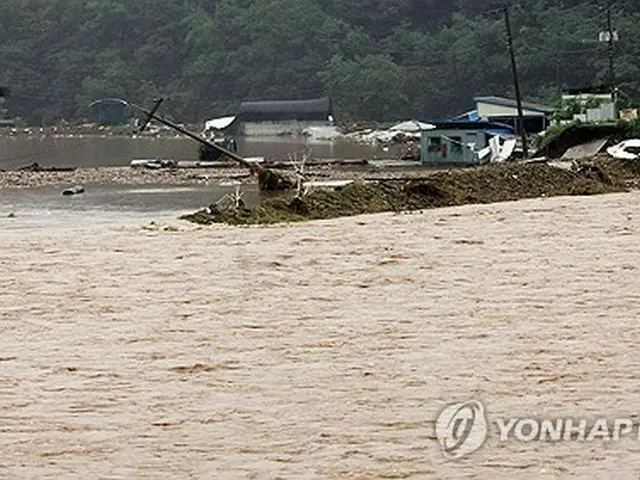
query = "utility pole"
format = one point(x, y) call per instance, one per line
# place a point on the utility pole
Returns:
point(516, 84)
point(611, 39)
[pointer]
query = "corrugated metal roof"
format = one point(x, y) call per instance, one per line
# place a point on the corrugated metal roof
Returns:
point(314, 109)
point(508, 102)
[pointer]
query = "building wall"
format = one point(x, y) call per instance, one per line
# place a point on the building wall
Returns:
point(272, 129)
point(451, 146)
point(487, 110)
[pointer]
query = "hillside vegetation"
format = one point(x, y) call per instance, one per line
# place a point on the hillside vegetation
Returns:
point(378, 59)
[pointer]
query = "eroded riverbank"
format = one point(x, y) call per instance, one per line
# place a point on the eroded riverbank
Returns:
point(484, 184)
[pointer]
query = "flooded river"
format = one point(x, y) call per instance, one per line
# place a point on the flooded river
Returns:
point(108, 152)
point(46, 203)
point(320, 350)
point(47, 207)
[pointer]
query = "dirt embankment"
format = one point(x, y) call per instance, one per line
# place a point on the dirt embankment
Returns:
point(488, 184)
point(560, 139)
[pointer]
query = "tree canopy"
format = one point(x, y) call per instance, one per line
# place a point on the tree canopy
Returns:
point(377, 59)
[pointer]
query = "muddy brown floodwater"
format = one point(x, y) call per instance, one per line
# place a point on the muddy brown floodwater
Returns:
point(90, 152)
point(319, 350)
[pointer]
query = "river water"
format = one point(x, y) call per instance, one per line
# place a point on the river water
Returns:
point(45, 204)
point(137, 346)
point(119, 151)
point(132, 350)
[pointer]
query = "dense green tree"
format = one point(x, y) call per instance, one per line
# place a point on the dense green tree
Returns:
point(378, 59)
point(368, 87)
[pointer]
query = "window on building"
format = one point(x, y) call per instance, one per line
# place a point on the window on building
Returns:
point(435, 144)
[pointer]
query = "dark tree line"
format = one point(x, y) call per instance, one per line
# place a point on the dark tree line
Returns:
point(378, 59)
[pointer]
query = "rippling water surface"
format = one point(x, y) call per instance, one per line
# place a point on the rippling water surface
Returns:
point(116, 151)
point(46, 206)
point(322, 350)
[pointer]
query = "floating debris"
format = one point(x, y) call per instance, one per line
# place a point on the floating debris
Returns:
point(400, 133)
point(153, 163)
point(73, 190)
point(272, 181)
point(627, 150)
point(585, 150)
point(36, 167)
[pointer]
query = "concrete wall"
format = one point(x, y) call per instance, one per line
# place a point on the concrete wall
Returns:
point(272, 129)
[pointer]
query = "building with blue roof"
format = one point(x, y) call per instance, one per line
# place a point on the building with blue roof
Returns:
point(459, 142)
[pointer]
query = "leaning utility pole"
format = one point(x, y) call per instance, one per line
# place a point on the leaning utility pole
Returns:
point(516, 84)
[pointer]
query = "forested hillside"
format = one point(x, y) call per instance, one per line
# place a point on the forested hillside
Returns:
point(378, 59)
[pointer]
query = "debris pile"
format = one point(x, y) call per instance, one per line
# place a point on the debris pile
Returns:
point(36, 167)
point(487, 184)
point(400, 133)
point(558, 140)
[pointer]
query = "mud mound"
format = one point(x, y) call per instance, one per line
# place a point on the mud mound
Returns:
point(622, 172)
point(489, 184)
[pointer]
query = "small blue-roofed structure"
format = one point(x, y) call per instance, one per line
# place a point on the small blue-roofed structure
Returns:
point(458, 142)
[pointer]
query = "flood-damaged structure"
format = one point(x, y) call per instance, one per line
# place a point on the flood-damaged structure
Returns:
point(281, 117)
point(464, 142)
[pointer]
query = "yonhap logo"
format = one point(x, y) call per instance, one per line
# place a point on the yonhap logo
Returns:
point(461, 429)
